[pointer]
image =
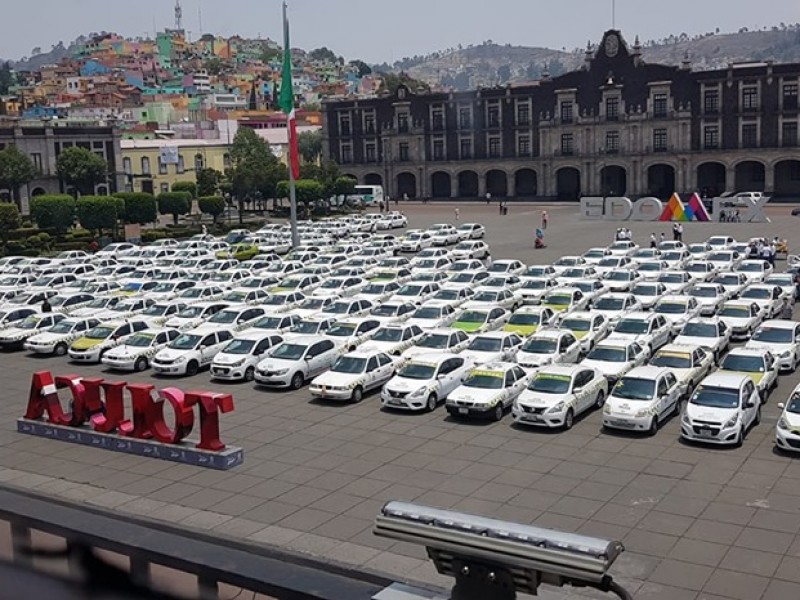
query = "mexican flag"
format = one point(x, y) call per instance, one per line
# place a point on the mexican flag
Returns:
point(286, 100)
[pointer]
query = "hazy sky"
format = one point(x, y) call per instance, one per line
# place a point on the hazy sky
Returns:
point(383, 30)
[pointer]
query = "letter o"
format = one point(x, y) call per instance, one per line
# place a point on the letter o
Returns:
point(184, 417)
point(647, 209)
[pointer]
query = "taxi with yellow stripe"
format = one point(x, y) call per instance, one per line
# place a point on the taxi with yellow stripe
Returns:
point(588, 327)
point(690, 364)
point(527, 320)
point(787, 433)
point(488, 391)
point(758, 363)
point(563, 299)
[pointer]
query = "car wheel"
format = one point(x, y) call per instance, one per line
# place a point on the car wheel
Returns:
point(140, 365)
point(250, 374)
point(298, 379)
point(497, 415)
point(569, 420)
point(677, 410)
point(600, 401)
point(432, 403)
point(60, 350)
point(358, 395)
point(739, 438)
point(653, 429)
point(757, 420)
point(192, 368)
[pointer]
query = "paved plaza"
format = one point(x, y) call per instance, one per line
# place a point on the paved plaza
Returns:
point(697, 522)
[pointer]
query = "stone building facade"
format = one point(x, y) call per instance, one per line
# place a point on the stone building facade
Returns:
point(44, 141)
point(617, 126)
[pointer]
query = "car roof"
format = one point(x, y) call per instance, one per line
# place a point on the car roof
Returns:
point(684, 348)
point(725, 379)
point(434, 357)
point(745, 351)
point(562, 369)
point(551, 333)
point(779, 324)
point(256, 335)
point(674, 298)
point(640, 315)
point(647, 372)
point(495, 366)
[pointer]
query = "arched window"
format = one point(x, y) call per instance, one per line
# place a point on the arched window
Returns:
point(198, 162)
point(226, 161)
point(127, 166)
point(181, 166)
point(145, 165)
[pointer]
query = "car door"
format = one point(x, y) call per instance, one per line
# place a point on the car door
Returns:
point(673, 393)
point(450, 376)
point(207, 346)
point(569, 348)
point(749, 402)
point(508, 388)
point(385, 369)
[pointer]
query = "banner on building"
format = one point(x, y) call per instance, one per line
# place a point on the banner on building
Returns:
point(168, 155)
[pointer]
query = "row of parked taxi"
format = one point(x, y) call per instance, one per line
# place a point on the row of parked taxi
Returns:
point(429, 319)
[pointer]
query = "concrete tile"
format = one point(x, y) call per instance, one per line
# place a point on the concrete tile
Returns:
point(682, 574)
point(698, 552)
point(743, 560)
point(737, 586)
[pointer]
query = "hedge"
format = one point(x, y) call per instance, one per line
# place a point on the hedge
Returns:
point(55, 211)
point(99, 212)
point(212, 205)
point(175, 204)
point(140, 207)
point(185, 186)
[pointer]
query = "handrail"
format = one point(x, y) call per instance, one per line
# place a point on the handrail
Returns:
point(212, 560)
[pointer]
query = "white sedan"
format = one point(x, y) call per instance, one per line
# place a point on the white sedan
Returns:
point(782, 338)
point(769, 297)
point(741, 317)
point(677, 310)
point(615, 358)
point(710, 333)
point(649, 330)
point(615, 306)
point(424, 381)
point(394, 339)
point(238, 360)
point(495, 346)
point(433, 316)
point(690, 364)
point(488, 391)
point(135, 352)
point(547, 347)
point(353, 375)
point(470, 249)
point(710, 297)
point(787, 432)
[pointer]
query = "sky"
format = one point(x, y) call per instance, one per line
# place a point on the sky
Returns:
point(386, 30)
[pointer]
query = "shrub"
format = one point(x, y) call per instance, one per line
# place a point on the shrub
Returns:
point(140, 207)
point(9, 219)
point(185, 186)
point(98, 212)
point(212, 205)
point(55, 211)
point(175, 204)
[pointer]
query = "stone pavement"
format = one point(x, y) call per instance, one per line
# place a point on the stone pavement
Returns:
point(697, 522)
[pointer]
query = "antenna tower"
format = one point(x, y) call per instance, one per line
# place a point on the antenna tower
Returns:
point(178, 15)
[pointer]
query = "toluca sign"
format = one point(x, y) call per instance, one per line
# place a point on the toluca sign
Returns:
point(97, 418)
point(750, 209)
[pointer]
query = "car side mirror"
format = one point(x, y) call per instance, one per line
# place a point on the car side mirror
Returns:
point(203, 347)
point(781, 406)
point(750, 404)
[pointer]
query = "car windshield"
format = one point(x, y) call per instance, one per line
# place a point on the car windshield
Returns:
point(388, 334)
point(671, 308)
point(727, 280)
point(574, 273)
point(306, 327)
point(550, 384)
point(577, 324)
point(313, 304)
point(163, 287)
point(534, 284)
point(609, 262)
point(410, 290)
point(536, 272)
point(645, 290)
point(703, 292)
point(434, 340)
point(63, 327)
point(671, 256)
point(608, 354)
point(793, 405)
point(333, 284)
point(756, 267)
point(289, 351)
point(289, 284)
point(226, 317)
point(485, 380)
point(385, 275)
point(156, 310)
point(619, 276)
point(720, 257)
point(415, 370)
point(524, 319)
point(737, 312)
point(743, 363)
point(635, 326)
point(634, 388)
point(609, 304)
point(672, 360)
point(140, 340)
point(485, 297)
point(385, 310)
point(706, 330)
point(774, 335)
point(276, 300)
point(715, 397)
point(235, 296)
point(447, 295)
point(779, 280)
point(566, 261)
point(191, 312)
point(671, 278)
point(650, 267)
point(268, 323)
point(484, 344)
point(187, 341)
point(594, 254)
point(540, 346)
point(558, 299)
point(55, 301)
point(463, 278)
point(427, 312)
point(30, 323)
point(757, 294)
point(473, 316)
point(349, 364)
point(342, 330)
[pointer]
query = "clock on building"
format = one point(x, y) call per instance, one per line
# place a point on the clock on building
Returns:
point(612, 45)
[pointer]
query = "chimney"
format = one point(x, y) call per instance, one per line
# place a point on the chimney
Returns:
point(589, 55)
point(686, 64)
point(637, 52)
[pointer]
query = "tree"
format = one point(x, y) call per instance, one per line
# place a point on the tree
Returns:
point(363, 68)
point(9, 220)
point(391, 81)
point(344, 186)
point(98, 212)
point(208, 181)
point(6, 78)
point(175, 204)
point(81, 168)
point(323, 54)
point(53, 211)
point(211, 205)
point(185, 186)
point(214, 66)
point(16, 169)
point(255, 170)
point(309, 144)
point(139, 207)
point(307, 191)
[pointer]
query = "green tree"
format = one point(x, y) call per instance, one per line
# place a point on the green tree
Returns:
point(6, 78)
point(214, 66)
point(344, 186)
point(391, 81)
point(175, 204)
point(55, 212)
point(211, 205)
point(323, 54)
point(208, 181)
point(16, 169)
point(81, 168)
point(9, 220)
point(309, 143)
point(96, 213)
point(255, 171)
point(140, 207)
point(185, 186)
point(307, 191)
point(363, 68)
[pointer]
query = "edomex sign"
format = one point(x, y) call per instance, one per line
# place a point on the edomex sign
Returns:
point(97, 416)
point(751, 209)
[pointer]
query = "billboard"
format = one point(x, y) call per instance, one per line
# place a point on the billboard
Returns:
point(168, 155)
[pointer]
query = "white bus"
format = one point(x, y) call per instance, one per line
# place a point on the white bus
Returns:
point(367, 195)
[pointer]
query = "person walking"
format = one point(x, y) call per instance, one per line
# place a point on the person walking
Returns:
point(663, 237)
point(653, 242)
point(545, 218)
point(787, 310)
point(680, 232)
point(766, 255)
point(488, 198)
point(456, 211)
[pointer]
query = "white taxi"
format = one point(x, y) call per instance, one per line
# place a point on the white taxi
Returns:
point(690, 364)
point(615, 358)
point(742, 317)
point(648, 329)
point(353, 375)
point(648, 293)
point(710, 333)
point(238, 360)
point(547, 347)
point(494, 346)
point(191, 351)
point(782, 339)
point(295, 361)
point(787, 432)
point(756, 363)
point(58, 338)
point(558, 394)
point(534, 289)
point(616, 305)
point(488, 391)
point(565, 299)
point(642, 400)
point(394, 339)
point(351, 333)
point(710, 297)
point(433, 316)
point(425, 381)
point(90, 347)
point(768, 297)
point(136, 351)
point(439, 340)
point(677, 310)
point(587, 327)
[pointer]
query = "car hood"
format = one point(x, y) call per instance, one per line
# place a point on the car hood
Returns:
point(539, 400)
point(332, 379)
point(468, 327)
point(170, 354)
point(47, 337)
point(776, 349)
point(478, 395)
point(707, 413)
point(16, 332)
point(478, 356)
point(793, 420)
point(84, 343)
point(522, 330)
point(404, 384)
point(127, 351)
point(535, 360)
point(609, 369)
point(276, 364)
point(624, 406)
point(703, 342)
point(756, 376)
point(736, 321)
point(229, 359)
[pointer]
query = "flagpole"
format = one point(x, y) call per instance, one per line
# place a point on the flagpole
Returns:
point(292, 187)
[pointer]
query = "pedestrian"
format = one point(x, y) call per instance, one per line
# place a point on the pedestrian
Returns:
point(46, 308)
point(405, 197)
point(456, 211)
point(94, 246)
point(674, 232)
point(787, 310)
point(773, 251)
point(488, 198)
point(205, 230)
point(663, 237)
point(653, 242)
point(500, 207)
point(545, 218)
point(766, 255)
point(680, 232)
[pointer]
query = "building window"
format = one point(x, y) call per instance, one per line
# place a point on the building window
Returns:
point(524, 145)
point(750, 98)
point(523, 114)
point(612, 109)
point(790, 96)
point(181, 166)
point(403, 151)
point(465, 148)
point(711, 137)
point(566, 111)
point(437, 118)
point(612, 142)
point(347, 153)
point(789, 134)
point(660, 106)
point(127, 167)
point(711, 102)
point(438, 149)
point(369, 122)
point(465, 117)
point(36, 157)
point(567, 144)
point(226, 161)
point(145, 165)
point(370, 152)
point(164, 188)
point(493, 116)
point(494, 147)
point(659, 140)
point(198, 162)
point(749, 135)
point(402, 123)
point(344, 124)
point(162, 167)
